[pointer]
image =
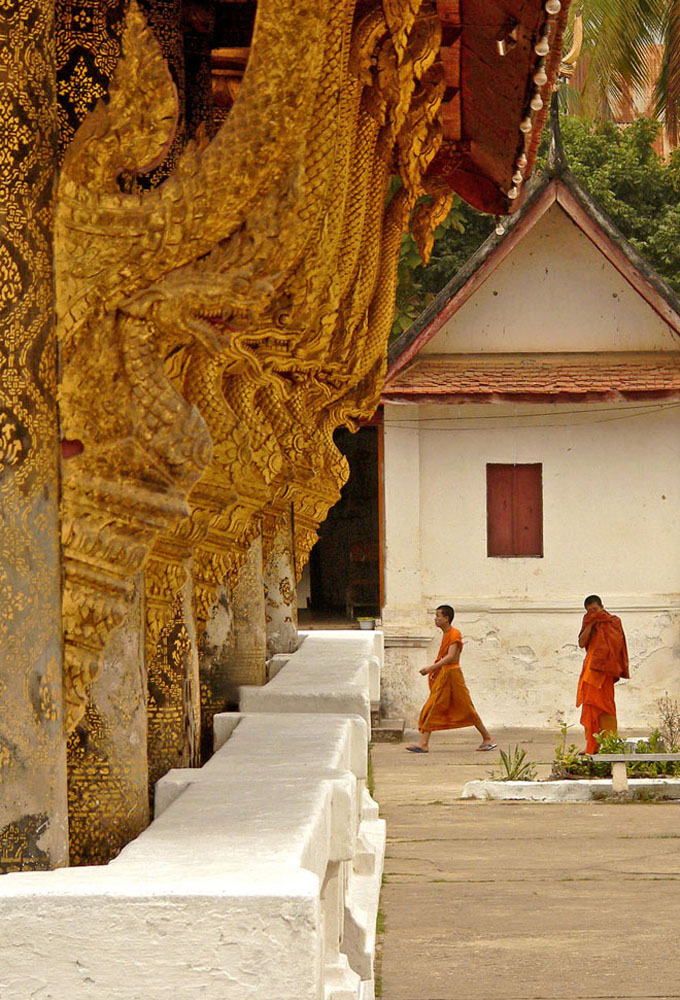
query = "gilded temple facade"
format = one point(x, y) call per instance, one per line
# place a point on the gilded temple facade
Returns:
point(203, 205)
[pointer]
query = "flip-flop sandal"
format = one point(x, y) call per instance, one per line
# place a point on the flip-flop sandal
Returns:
point(487, 746)
point(413, 749)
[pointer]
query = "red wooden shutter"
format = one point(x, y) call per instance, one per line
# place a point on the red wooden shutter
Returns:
point(528, 510)
point(514, 510)
point(499, 480)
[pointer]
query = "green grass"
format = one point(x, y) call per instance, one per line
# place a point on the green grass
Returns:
point(380, 931)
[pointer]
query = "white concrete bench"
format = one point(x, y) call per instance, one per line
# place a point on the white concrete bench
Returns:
point(332, 671)
point(619, 761)
point(258, 880)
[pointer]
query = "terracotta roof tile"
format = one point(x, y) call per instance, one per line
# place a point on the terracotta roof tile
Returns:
point(457, 378)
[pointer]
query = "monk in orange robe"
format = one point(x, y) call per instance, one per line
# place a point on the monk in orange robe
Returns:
point(449, 705)
point(606, 663)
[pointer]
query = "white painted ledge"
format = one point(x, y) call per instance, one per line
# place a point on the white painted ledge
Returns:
point(332, 671)
point(562, 791)
point(258, 880)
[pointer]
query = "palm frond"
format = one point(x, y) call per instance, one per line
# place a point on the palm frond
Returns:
point(618, 38)
point(667, 90)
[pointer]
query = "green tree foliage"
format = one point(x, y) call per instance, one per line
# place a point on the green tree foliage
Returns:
point(619, 169)
point(455, 240)
point(637, 190)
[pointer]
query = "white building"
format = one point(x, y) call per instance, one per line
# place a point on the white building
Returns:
point(532, 457)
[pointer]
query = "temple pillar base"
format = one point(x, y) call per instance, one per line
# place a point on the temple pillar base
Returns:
point(245, 662)
point(280, 594)
point(173, 689)
point(107, 752)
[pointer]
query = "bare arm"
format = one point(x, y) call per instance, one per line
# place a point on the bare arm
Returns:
point(585, 634)
point(452, 657)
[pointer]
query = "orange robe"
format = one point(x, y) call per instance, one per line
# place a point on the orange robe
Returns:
point(606, 662)
point(449, 705)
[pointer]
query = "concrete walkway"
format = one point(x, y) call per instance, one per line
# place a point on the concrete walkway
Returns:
point(509, 901)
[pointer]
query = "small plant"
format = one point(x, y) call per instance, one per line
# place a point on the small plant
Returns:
point(658, 742)
point(569, 762)
point(610, 743)
point(669, 728)
point(606, 743)
point(514, 766)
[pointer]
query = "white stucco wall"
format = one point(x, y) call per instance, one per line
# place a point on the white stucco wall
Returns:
point(611, 492)
point(555, 292)
point(611, 496)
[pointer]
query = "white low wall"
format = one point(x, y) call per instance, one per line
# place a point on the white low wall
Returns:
point(259, 878)
point(583, 790)
point(332, 671)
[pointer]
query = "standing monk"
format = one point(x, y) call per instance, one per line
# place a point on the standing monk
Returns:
point(449, 705)
point(606, 663)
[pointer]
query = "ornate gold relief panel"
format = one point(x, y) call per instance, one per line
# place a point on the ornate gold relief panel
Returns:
point(32, 750)
point(173, 706)
point(88, 46)
point(107, 806)
point(107, 751)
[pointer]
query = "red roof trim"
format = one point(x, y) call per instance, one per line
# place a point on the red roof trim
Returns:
point(541, 378)
point(591, 396)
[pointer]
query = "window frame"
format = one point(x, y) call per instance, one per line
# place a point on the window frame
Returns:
point(514, 510)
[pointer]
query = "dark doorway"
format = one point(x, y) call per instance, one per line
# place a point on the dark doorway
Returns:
point(345, 562)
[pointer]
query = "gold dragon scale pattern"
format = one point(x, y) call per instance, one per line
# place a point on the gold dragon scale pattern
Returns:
point(216, 330)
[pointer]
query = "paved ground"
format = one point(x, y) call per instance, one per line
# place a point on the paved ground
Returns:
point(514, 901)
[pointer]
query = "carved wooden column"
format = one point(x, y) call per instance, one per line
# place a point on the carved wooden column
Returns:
point(107, 756)
point(280, 593)
point(33, 823)
point(172, 664)
point(216, 648)
point(245, 661)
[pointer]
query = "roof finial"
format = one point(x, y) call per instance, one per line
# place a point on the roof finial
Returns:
point(568, 64)
point(556, 161)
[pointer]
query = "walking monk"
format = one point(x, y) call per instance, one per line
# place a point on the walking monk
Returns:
point(606, 663)
point(449, 705)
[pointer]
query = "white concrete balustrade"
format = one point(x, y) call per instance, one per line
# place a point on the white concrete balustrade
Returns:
point(312, 681)
point(259, 877)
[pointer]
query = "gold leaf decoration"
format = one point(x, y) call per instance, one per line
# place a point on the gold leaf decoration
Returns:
point(217, 329)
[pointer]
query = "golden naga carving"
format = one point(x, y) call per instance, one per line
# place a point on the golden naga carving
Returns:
point(215, 331)
point(333, 375)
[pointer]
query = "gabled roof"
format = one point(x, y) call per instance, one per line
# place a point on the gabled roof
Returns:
point(558, 185)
